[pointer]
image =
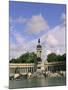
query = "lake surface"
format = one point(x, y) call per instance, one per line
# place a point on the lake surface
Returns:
point(36, 82)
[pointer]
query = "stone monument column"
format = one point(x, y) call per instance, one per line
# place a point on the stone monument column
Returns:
point(39, 51)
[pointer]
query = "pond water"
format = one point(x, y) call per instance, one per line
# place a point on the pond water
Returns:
point(36, 82)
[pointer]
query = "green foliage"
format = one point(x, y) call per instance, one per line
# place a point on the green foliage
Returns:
point(57, 58)
point(13, 61)
point(64, 57)
point(51, 57)
point(25, 58)
point(32, 58)
point(54, 58)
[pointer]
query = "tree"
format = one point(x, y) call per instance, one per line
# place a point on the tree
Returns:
point(64, 57)
point(59, 58)
point(25, 58)
point(52, 57)
point(56, 58)
point(13, 60)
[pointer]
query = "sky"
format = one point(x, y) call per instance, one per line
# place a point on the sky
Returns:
point(30, 21)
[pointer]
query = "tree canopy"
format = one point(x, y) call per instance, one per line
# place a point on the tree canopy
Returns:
point(25, 58)
point(54, 58)
point(32, 58)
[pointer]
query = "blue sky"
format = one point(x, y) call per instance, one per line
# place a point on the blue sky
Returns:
point(30, 21)
point(51, 12)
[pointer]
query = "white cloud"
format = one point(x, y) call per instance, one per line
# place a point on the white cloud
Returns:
point(18, 49)
point(17, 35)
point(19, 38)
point(51, 40)
point(55, 37)
point(58, 52)
point(63, 16)
point(37, 24)
point(20, 20)
point(54, 41)
point(48, 52)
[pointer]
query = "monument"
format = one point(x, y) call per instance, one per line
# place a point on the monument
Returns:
point(39, 59)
